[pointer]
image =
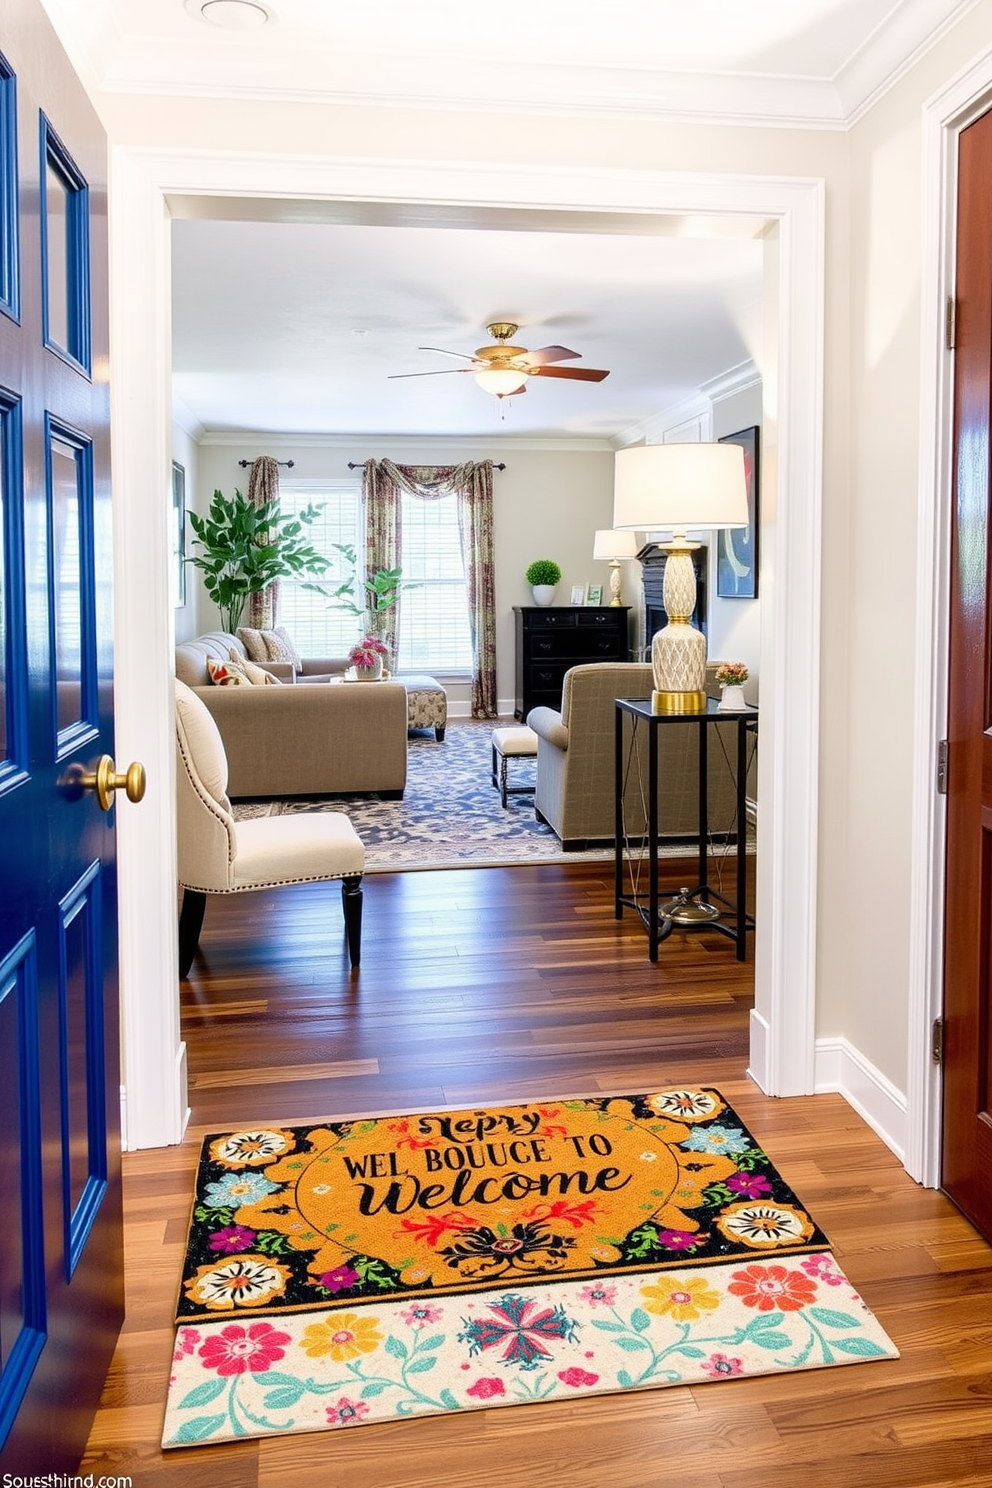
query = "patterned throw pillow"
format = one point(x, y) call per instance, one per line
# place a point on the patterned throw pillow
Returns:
point(270, 645)
point(257, 675)
point(253, 642)
point(226, 674)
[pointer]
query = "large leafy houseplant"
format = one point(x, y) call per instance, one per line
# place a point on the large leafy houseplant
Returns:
point(379, 592)
point(245, 548)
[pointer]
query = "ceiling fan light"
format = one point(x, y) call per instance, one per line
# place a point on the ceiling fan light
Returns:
point(501, 380)
point(234, 15)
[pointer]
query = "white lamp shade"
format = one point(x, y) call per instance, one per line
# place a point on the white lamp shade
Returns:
point(680, 486)
point(609, 543)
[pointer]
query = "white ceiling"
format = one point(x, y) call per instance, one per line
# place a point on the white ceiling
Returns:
point(295, 325)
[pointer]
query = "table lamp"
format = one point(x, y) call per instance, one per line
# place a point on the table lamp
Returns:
point(679, 486)
point(614, 545)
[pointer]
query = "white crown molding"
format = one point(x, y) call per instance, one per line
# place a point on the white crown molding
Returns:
point(474, 445)
point(896, 47)
point(728, 384)
point(115, 64)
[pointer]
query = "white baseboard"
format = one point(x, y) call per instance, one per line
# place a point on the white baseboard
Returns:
point(757, 1065)
point(841, 1068)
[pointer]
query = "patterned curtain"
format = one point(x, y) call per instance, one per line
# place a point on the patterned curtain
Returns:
point(472, 484)
point(383, 543)
point(263, 485)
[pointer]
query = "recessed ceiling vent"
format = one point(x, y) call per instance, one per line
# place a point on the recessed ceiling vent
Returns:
point(233, 15)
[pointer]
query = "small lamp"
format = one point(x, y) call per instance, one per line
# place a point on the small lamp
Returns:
point(614, 545)
point(679, 486)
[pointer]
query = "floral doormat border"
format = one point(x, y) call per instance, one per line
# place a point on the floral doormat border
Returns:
point(318, 1217)
point(389, 1360)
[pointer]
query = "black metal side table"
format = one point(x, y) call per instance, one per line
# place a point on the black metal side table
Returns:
point(702, 912)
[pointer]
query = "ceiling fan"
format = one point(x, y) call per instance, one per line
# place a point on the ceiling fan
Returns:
point(503, 369)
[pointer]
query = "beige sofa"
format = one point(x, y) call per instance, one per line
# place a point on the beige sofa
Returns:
point(575, 762)
point(333, 738)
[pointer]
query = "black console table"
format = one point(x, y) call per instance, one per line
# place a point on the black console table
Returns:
point(659, 926)
point(551, 639)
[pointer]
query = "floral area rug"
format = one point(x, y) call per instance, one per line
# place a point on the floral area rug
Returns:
point(360, 1271)
point(450, 815)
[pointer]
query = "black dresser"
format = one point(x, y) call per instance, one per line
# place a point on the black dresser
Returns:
point(551, 640)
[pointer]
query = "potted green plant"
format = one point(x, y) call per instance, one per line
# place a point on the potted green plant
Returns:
point(543, 576)
point(380, 592)
point(245, 548)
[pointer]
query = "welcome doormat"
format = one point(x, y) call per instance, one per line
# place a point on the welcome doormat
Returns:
point(511, 1254)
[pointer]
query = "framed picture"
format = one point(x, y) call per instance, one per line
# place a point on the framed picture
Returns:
point(578, 595)
point(737, 547)
point(594, 594)
point(179, 533)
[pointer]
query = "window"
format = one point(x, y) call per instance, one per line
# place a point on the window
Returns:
point(318, 628)
point(434, 631)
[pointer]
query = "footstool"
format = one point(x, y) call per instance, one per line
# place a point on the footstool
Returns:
point(513, 742)
point(426, 703)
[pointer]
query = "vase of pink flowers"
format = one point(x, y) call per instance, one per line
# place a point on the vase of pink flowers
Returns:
point(367, 658)
point(731, 676)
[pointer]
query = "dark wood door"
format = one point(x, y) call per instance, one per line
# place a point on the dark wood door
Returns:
point(61, 1263)
point(967, 1117)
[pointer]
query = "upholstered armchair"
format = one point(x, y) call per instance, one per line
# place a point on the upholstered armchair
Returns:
point(218, 855)
point(575, 762)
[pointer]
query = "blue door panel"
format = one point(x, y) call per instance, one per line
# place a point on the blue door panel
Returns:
point(22, 1256)
point(65, 252)
point(69, 487)
point(13, 655)
point(83, 1071)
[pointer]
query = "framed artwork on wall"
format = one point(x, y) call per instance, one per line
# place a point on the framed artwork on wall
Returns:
point(737, 547)
point(179, 533)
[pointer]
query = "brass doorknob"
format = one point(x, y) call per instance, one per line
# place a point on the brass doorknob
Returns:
point(105, 780)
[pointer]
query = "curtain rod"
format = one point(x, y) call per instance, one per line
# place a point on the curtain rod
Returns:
point(245, 463)
point(358, 464)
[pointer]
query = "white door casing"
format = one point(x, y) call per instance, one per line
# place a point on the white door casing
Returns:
point(782, 1026)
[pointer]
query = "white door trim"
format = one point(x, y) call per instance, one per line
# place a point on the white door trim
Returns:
point(957, 105)
point(782, 1042)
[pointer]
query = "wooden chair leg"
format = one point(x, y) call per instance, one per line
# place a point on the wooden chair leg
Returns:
point(190, 924)
point(351, 898)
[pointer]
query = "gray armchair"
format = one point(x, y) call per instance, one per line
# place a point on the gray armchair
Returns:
point(575, 762)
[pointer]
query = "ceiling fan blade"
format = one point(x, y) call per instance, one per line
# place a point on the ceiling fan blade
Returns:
point(545, 354)
point(578, 374)
point(448, 372)
point(441, 352)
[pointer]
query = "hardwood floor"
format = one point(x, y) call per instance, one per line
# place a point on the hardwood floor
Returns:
point(504, 984)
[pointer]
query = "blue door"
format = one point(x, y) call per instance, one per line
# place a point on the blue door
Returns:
point(61, 1261)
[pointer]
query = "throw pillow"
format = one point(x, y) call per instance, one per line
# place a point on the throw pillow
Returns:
point(253, 642)
point(226, 674)
point(257, 675)
point(270, 645)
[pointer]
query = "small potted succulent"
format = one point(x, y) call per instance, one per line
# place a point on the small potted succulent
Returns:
point(543, 576)
point(366, 657)
point(731, 676)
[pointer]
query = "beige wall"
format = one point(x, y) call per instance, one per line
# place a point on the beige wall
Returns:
point(547, 503)
point(872, 180)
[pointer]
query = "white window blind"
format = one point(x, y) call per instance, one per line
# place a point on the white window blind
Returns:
point(317, 627)
point(434, 628)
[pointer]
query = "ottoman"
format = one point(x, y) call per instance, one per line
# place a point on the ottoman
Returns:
point(514, 742)
point(426, 703)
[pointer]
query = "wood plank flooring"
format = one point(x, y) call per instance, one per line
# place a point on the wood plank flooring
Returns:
point(506, 984)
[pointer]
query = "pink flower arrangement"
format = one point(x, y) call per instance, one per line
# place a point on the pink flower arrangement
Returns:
point(731, 673)
point(368, 652)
